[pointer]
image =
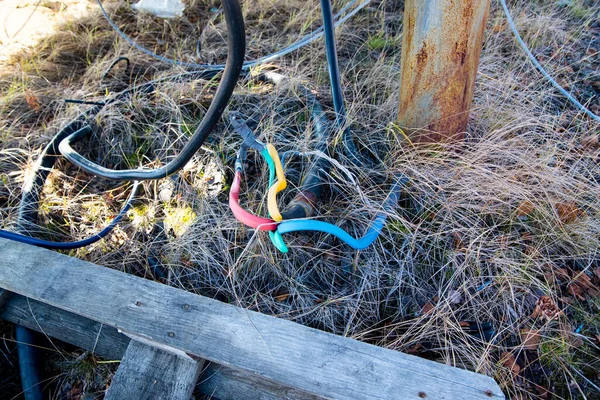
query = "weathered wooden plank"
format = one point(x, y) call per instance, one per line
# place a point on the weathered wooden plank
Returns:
point(284, 352)
point(231, 384)
point(222, 382)
point(150, 373)
point(71, 328)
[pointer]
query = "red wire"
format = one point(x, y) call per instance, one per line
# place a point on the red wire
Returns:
point(246, 218)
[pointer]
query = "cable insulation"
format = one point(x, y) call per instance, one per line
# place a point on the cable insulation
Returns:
point(358, 244)
point(48, 244)
point(236, 44)
point(536, 63)
point(304, 41)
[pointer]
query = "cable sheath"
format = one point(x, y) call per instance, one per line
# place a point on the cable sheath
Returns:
point(539, 67)
point(358, 244)
point(236, 40)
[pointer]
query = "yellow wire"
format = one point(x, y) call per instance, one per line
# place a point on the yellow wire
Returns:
point(279, 185)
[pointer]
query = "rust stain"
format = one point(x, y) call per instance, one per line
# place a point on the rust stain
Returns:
point(422, 56)
point(443, 76)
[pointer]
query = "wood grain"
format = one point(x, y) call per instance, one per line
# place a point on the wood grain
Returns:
point(222, 382)
point(150, 373)
point(284, 352)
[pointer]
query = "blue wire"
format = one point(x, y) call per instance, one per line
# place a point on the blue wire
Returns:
point(358, 244)
point(48, 244)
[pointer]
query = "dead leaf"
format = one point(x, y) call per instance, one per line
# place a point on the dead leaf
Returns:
point(32, 101)
point(525, 208)
point(568, 212)
point(580, 285)
point(76, 391)
point(510, 362)
point(530, 338)
point(575, 341)
point(543, 392)
point(563, 273)
point(427, 308)
point(457, 240)
point(545, 307)
point(591, 142)
point(282, 297)
point(583, 280)
point(414, 349)
point(576, 291)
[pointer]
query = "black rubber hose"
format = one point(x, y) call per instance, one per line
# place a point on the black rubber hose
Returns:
point(335, 80)
point(31, 190)
point(29, 363)
point(304, 204)
point(29, 358)
point(236, 41)
point(30, 366)
point(30, 195)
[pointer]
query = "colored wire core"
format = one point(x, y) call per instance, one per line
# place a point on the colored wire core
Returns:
point(277, 186)
point(245, 217)
point(358, 244)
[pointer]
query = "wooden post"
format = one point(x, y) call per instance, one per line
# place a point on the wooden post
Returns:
point(440, 55)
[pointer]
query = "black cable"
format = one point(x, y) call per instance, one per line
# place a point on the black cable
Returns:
point(114, 64)
point(49, 244)
point(29, 363)
point(30, 360)
point(236, 51)
point(336, 85)
point(303, 205)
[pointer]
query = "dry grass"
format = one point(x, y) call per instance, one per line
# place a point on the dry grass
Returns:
point(485, 230)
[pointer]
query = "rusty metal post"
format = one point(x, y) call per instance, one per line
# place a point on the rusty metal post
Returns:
point(440, 55)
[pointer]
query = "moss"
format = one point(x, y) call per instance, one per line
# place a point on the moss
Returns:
point(179, 218)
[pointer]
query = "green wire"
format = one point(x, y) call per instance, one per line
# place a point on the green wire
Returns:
point(275, 237)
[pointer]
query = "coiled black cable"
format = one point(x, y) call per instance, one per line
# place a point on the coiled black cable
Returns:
point(29, 360)
point(236, 40)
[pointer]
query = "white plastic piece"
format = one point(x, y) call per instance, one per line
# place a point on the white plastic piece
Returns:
point(161, 8)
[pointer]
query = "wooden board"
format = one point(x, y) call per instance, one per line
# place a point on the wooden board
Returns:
point(222, 382)
point(150, 373)
point(67, 327)
point(284, 352)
